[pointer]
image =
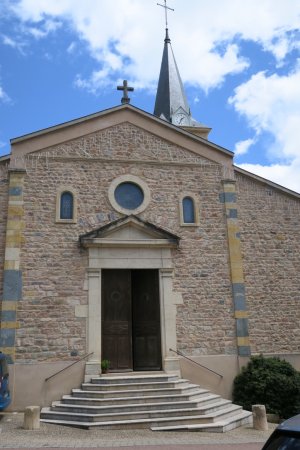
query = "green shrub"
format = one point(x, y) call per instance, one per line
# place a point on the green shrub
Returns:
point(271, 382)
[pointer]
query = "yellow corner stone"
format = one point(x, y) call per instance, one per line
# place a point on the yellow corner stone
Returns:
point(243, 341)
point(15, 210)
point(230, 187)
point(16, 179)
point(241, 314)
point(13, 241)
point(15, 225)
point(11, 325)
point(8, 350)
point(11, 265)
point(9, 306)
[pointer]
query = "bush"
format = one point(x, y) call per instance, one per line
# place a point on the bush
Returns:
point(271, 382)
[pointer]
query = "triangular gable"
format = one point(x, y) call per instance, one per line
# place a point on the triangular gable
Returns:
point(129, 231)
point(54, 136)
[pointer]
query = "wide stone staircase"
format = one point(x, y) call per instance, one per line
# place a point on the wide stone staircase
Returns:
point(157, 401)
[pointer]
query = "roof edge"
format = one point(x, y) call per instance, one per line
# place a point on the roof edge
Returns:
point(5, 157)
point(111, 111)
point(266, 181)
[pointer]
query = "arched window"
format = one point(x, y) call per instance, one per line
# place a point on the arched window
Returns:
point(66, 206)
point(188, 209)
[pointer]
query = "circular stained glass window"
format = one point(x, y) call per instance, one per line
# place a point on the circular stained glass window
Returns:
point(129, 195)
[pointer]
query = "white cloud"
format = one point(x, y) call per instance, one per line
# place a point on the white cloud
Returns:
point(13, 43)
point(283, 174)
point(272, 104)
point(242, 147)
point(72, 47)
point(3, 96)
point(117, 33)
point(125, 37)
point(97, 81)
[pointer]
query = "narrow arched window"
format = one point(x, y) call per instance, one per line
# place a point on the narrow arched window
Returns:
point(66, 206)
point(188, 209)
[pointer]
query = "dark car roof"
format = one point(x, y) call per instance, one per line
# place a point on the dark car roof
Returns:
point(292, 424)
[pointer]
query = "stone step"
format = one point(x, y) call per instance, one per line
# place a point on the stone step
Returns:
point(155, 422)
point(102, 409)
point(145, 400)
point(77, 399)
point(134, 378)
point(72, 414)
point(133, 386)
point(222, 426)
point(163, 392)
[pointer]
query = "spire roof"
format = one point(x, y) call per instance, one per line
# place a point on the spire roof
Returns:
point(170, 95)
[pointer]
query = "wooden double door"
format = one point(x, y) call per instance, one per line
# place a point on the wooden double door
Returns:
point(131, 337)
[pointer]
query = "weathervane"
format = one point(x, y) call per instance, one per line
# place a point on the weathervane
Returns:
point(166, 10)
point(125, 88)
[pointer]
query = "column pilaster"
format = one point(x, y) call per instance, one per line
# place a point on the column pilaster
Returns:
point(228, 197)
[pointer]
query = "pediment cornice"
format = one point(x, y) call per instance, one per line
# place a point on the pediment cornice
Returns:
point(129, 232)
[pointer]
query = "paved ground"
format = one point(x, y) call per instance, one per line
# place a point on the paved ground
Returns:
point(13, 436)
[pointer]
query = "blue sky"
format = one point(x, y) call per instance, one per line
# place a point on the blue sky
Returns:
point(239, 60)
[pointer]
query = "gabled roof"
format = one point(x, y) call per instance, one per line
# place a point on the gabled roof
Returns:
point(99, 121)
point(142, 233)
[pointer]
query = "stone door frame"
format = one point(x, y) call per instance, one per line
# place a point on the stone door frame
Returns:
point(152, 255)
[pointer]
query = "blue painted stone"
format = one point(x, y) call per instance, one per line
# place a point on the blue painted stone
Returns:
point(239, 298)
point(232, 213)
point(242, 327)
point(227, 197)
point(244, 350)
point(12, 285)
point(8, 316)
point(15, 191)
point(8, 336)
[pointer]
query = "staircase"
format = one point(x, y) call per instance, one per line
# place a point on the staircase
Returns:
point(158, 401)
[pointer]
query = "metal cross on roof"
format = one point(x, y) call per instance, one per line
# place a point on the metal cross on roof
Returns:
point(166, 10)
point(125, 88)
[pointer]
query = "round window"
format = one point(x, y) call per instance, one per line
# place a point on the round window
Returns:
point(129, 195)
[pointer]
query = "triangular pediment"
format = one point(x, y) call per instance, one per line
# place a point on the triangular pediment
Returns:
point(65, 140)
point(129, 231)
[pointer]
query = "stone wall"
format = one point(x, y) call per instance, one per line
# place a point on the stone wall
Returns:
point(54, 267)
point(270, 239)
point(3, 219)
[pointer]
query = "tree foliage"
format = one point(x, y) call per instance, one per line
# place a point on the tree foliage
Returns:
point(271, 382)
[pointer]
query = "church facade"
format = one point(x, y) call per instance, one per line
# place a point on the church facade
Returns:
point(131, 237)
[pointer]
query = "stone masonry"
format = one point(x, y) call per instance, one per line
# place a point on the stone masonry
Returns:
point(270, 240)
point(54, 266)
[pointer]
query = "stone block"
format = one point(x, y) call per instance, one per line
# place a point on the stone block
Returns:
point(32, 418)
point(259, 417)
point(12, 285)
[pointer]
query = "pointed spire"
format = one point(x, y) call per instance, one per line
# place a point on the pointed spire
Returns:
point(170, 97)
point(171, 103)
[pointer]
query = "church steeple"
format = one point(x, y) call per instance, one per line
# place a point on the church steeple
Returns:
point(170, 97)
point(171, 103)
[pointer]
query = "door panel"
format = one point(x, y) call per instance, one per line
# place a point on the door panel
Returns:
point(116, 319)
point(146, 320)
point(131, 319)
